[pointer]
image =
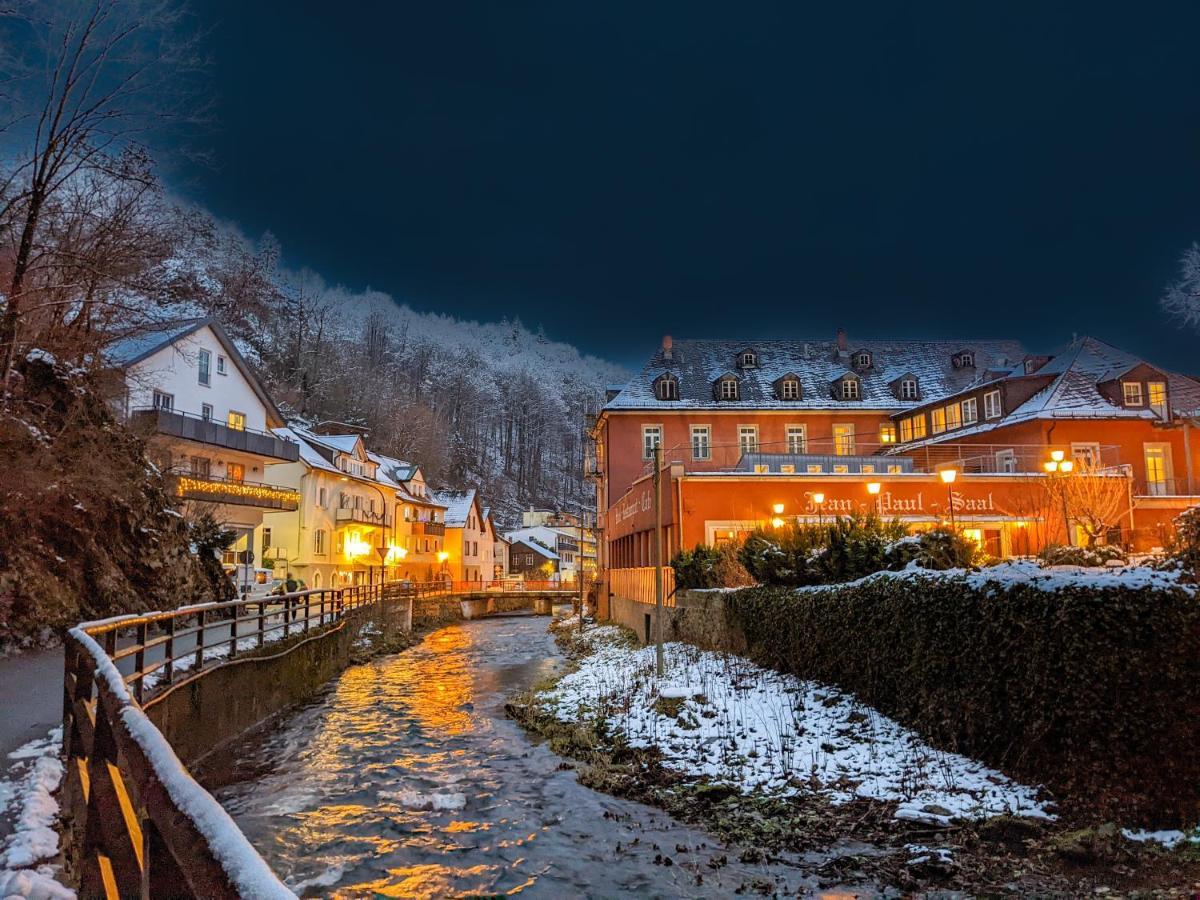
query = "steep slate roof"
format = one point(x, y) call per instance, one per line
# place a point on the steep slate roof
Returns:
point(698, 363)
point(127, 351)
point(533, 545)
point(458, 506)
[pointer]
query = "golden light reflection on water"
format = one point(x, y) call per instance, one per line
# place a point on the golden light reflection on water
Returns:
point(422, 881)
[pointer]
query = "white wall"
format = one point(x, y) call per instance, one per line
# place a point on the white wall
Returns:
point(175, 371)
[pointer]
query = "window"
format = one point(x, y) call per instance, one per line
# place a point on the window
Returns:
point(701, 442)
point(887, 433)
point(789, 389)
point(862, 360)
point(814, 469)
point(908, 389)
point(965, 359)
point(918, 427)
point(319, 542)
point(235, 472)
point(748, 438)
point(266, 541)
point(651, 438)
point(867, 469)
point(1158, 398)
point(991, 405)
point(895, 469)
point(787, 469)
point(237, 420)
point(797, 439)
point(201, 466)
point(761, 468)
point(1086, 455)
point(221, 370)
point(728, 389)
point(203, 367)
point(1006, 461)
point(843, 440)
point(906, 430)
point(164, 401)
point(206, 412)
point(666, 387)
point(748, 359)
point(1133, 392)
point(321, 497)
point(970, 411)
point(1158, 469)
point(841, 469)
point(937, 420)
point(953, 416)
point(850, 389)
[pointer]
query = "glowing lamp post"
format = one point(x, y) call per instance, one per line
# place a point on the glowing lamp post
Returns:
point(442, 557)
point(777, 522)
point(819, 500)
point(948, 476)
point(1055, 466)
point(873, 488)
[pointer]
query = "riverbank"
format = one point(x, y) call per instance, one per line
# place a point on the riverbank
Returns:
point(773, 763)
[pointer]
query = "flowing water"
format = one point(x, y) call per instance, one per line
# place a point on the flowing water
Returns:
point(406, 779)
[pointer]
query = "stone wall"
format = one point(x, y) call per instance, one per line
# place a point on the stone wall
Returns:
point(698, 617)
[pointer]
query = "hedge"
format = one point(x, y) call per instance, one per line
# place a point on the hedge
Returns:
point(1094, 692)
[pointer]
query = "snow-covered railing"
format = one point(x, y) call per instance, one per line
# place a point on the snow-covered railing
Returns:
point(638, 584)
point(140, 825)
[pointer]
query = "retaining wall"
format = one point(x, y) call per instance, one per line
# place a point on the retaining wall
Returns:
point(698, 617)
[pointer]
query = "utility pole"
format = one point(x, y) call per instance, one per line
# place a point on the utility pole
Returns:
point(579, 568)
point(658, 566)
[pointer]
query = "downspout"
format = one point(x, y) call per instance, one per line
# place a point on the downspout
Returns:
point(1187, 456)
point(679, 516)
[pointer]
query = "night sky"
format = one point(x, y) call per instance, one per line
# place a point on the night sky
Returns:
point(616, 171)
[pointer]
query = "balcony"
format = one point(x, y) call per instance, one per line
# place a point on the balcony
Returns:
point(429, 529)
point(214, 489)
point(362, 516)
point(190, 427)
point(1167, 488)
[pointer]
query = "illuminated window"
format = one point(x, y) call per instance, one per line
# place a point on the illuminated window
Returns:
point(970, 411)
point(1158, 398)
point(895, 469)
point(843, 440)
point(867, 469)
point(918, 427)
point(841, 469)
point(906, 430)
point(787, 469)
point(937, 419)
point(953, 416)
point(991, 404)
point(761, 468)
point(235, 472)
point(651, 438)
point(814, 469)
point(701, 442)
point(236, 421)
point(797, 439)
point(887, 433)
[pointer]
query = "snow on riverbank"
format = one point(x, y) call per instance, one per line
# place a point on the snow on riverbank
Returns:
point(26, 867)
point(724, 718)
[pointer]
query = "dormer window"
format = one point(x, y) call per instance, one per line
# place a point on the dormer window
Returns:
point(788, 388)
point(747, 359)
point(964, 359)
point(727, 388)
point(861, 359)
point(908, 389)
point(1133, 393)
point(666, 387)
point(849, 389)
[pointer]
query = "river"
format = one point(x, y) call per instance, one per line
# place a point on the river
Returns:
point(405, 778)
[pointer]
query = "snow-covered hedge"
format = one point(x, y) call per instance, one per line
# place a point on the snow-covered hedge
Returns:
point(1086, 681)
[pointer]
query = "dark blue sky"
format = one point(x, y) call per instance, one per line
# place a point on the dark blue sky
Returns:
point(614, 171)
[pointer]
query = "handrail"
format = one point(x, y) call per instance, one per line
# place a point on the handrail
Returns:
point(210, 420)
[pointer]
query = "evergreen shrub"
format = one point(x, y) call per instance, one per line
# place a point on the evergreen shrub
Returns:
point(1094, 692)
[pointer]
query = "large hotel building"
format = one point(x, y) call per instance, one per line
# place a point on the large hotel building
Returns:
point(927, 431)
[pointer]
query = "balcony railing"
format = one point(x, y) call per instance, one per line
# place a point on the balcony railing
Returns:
point(1167, 487)
point(191, 427)
point(214, 489)
point(362, 515)
point(430, 529)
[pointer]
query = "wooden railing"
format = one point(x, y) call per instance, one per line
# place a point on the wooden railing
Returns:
point(638, 584)
point(139, 823)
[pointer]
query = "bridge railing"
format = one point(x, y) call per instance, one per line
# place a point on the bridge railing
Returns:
point(140, 825)
point(638, 584)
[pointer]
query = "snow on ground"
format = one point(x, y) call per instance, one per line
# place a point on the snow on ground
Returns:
point(721, 717)
point(1169, 839)
point(26, 856)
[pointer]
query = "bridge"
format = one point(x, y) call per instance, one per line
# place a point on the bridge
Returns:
point(146, 696)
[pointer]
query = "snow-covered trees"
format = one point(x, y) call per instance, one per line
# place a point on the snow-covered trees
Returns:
point(1182, 298)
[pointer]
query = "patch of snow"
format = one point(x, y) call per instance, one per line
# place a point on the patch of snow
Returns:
point(679, 693)
point(25, 854)
point(921, 855)
point(39, 355)
point(761, 730)
point(1169, 839)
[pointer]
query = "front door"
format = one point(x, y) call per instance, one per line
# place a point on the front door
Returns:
point(1158, 469)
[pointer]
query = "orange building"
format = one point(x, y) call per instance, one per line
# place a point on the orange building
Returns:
point(807, 429)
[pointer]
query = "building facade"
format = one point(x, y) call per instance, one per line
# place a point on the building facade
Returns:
point(470, 540)
point(532, 560)
point(800, 430)
point(209, 425)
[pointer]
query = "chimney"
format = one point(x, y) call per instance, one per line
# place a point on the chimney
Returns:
point(667, 344)
point(841, 341)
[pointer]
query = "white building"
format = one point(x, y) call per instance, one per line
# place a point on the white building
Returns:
point(207, 420)
point(562, 541)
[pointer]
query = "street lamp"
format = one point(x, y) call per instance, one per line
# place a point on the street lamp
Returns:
point(819, 500)
point(948, 476)
point(873, 488)
point(1054, 466)
point(442, 557)
point(778, 509)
